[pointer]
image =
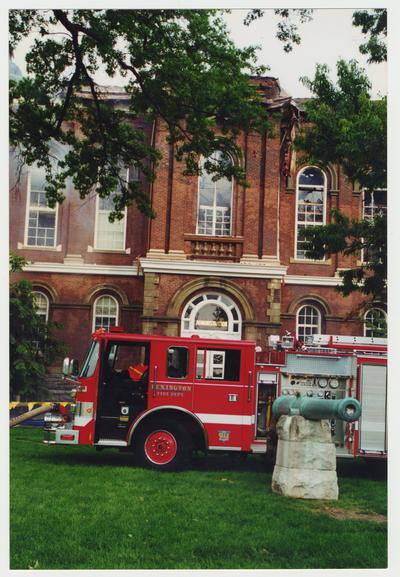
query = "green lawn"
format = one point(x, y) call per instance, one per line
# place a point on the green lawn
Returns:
point(75, 508)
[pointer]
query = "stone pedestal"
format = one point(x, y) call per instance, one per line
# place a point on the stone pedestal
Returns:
point(305, 465)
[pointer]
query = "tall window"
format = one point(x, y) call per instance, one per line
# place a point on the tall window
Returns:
point(374, 204)
point(42, 220)
point(375, 323)
point(105, 313)
point(311, 201)
point(110, 235)
point(215, 202)
point(42, 303)
point(308, 322)
point(212, 315)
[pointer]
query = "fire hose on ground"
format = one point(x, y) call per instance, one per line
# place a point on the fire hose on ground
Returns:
point(35, 412)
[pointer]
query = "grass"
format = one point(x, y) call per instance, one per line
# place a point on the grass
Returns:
point(75, 508)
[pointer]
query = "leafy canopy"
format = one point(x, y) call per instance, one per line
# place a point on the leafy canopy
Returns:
point(33, 346)
point(345, 126)
point(181, 67)
point(373, 24)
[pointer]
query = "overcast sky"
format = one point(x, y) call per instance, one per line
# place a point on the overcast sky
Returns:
point(328, 37)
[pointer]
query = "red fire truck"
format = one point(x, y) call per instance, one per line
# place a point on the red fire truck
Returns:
point(164, 397)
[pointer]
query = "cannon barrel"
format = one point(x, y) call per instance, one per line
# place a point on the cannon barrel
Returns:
point(347, 409)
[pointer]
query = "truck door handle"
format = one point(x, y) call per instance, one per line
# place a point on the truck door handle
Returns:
point(155, 381)
point(249, 386)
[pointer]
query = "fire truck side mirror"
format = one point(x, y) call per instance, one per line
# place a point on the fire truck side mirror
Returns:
point(70, 367)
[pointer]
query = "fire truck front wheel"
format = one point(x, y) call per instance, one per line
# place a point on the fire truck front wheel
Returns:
point(163, 446)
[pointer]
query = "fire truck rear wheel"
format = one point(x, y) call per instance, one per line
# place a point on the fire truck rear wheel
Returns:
point(163, 446)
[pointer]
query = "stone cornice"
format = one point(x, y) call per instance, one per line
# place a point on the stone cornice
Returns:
point(82, 268)
point(191, 267)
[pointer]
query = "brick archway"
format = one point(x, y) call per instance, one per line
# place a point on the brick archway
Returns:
point(210, 283)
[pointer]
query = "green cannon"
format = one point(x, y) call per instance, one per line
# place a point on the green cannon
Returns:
point(347, 409)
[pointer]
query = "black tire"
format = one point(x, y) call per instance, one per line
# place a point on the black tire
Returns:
point(163, 445)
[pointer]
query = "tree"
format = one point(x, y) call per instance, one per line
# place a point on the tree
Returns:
point(182, 68)
point(345, 126)
point(288, 25)
point(33, 347)
point(373, 23)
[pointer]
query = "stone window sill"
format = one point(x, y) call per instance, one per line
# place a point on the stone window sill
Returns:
point(108, 250)
point(57, 248)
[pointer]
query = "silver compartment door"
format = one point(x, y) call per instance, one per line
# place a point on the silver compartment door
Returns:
point(373, 404)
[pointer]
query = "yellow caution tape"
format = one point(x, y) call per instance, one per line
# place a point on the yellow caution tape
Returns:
point(31, 404)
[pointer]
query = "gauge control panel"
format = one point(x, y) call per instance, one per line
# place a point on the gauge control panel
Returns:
point(319, 386)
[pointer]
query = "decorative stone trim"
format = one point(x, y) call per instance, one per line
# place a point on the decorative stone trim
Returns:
point(273, 301)
point(85, 268)
point(191, 267)
point(294, 260)
point(151, 293)
point(330, 281)
point(210, 283)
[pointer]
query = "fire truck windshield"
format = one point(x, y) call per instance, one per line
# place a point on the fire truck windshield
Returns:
point(90, 362)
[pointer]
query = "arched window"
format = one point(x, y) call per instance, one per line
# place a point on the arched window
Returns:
point(308, 322)
point(42, 303)
point(212, 315)
point(310, 205)
point(41, 220)
point(105, 312)
point(214, 216)
point(375, 323)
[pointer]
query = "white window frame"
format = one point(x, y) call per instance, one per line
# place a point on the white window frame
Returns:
point(369, 311)
point(214, 208)
point(375, 209)
point(94, 310)
point(300, 224)
point(190, 311)
point(303, 325)
point(39, 209)
point(107, 213)
point(42, 295)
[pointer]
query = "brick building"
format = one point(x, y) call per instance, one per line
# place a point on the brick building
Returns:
point(219, 259)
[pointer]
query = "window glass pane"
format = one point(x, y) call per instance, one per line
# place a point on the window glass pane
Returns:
point(177, 362)
point(311, 195)
point(134, 173)
point(107, 203)
point(215, 199)
point(47, 220)
point(206, 197)
point(110, 235)
point(224, 192)
point(106, 310)
point(41, 303)
point(38, 178)
point(211, 317)
point(375, 324)
point(308, 322)
point(200, 364)
point(222, 365)
point(311, 175)
point(90, 363)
